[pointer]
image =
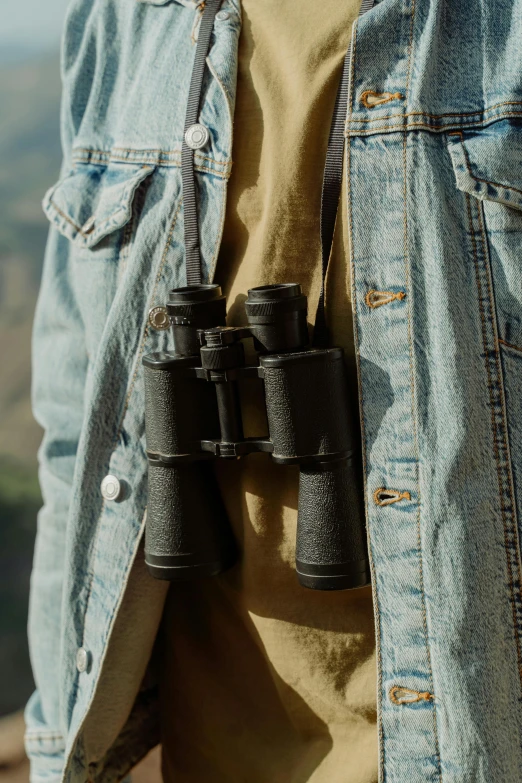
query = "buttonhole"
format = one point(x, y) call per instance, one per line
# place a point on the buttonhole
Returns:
point(400, 695)
point(379, 298)
point(371, 99)
point(385, 497)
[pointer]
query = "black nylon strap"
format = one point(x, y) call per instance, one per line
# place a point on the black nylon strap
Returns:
point(332, 183)
point(190, 209)
point(332, 178)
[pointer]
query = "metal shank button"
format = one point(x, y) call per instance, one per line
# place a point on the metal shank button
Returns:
point(158, 318)
point(82, 660)
point(196, 136)
point(222, 16)
point(111, 488)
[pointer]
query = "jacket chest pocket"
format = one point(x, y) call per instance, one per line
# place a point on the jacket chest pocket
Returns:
point(96, 207)
point(488, 169)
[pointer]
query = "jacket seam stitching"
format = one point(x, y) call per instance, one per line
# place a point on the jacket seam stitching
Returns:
point(510, 345)
point(437, 116)
point(424, 125)
point(377, 611)
point(410, 50)
point(109, 154)
point(492, 182)
point(409, 305)
point(417, 455)
point(222, 174)
point(479, 179)
point(128, 230)
point(352, 65)
point(127, 399)
point(512, 577)
point(67, 218)
point(133, 150)
point(39, 736)
point(375, 597)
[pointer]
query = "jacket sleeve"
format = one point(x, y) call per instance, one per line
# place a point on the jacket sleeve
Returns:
point(59, 375)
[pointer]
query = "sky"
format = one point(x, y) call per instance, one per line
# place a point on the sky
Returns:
point(30, 24)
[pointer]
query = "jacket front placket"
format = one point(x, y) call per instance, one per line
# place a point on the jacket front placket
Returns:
point(382, 293)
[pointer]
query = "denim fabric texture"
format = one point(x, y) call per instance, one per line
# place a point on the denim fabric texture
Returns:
point(434, 173)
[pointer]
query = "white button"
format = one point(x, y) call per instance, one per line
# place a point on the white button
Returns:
point(196, 136)
point(222, 16)
point(82, 660)
point(159, 318)
point(111, 488)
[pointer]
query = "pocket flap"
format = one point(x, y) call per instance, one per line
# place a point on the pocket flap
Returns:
point(488, 164)
point(93, 201)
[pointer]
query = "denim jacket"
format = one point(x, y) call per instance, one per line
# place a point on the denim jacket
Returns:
point(434, 172)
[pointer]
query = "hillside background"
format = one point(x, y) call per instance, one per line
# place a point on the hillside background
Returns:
point(29, 162)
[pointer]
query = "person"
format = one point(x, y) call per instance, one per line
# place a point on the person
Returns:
point(247, 675)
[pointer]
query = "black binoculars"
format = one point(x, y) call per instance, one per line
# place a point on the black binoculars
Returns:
point(193, 415)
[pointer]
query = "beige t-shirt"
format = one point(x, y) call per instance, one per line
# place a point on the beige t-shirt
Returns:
point(264, 681)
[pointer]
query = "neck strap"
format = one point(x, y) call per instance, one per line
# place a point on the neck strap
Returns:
point(190, 209)
point(332, 182)
point(333, 170)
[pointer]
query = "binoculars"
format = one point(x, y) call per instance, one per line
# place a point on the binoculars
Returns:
point(193, 415)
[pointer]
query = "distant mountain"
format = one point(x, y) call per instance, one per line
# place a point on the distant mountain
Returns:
point(29, 163)
point(29, 153)
point(19, 503)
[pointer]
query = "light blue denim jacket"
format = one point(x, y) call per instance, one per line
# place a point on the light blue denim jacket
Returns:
point(434, 164)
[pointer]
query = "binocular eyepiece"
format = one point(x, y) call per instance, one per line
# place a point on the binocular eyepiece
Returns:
point(193, 415)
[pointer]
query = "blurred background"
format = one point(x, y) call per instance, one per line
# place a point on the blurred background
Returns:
point(29, 163)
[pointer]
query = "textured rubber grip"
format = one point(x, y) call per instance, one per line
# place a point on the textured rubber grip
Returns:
point(180, 411)
point(308, 405)
point(187, 534)
point(331, 550)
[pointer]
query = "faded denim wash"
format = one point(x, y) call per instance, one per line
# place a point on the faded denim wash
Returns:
point(434, 162)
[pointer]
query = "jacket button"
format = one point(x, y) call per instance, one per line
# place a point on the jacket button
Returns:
point(196, 136)
point(82, 660)
point(111, 488)
point(222, 16)
point(158, 318)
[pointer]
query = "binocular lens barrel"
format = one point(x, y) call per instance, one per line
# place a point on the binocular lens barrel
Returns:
point(188, 534)
point(191, 308)
point(310, 422)
point(277, 316)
